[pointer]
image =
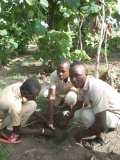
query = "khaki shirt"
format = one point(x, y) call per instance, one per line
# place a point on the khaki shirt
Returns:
point(11, 102)
point(100, 95)
point(56, 83)
point(61, 87)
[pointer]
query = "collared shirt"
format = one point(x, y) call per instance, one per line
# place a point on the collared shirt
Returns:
point(10, 98)
point(58, 84)
point(100, 95)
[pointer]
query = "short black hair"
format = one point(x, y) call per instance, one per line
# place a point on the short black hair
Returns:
point(76, 62)
point(63, 61)
point(31, 86)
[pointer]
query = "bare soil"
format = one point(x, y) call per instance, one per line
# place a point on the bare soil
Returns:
point(62, 147)
point(46, 149)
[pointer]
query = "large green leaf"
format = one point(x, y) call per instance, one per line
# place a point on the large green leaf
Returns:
point(74, 3)
point(38, 27)
point(3, 32)
point(6, 1)
point(94, 8)
point(44, 3)
point(30, 2)
point(13, 43)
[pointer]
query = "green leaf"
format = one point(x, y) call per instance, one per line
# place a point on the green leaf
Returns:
point(85, 8)
point(21, 1)
point(13, 43)
point(74, 3)
point(6, 1)
point(38, 27)
point(79, 54)
point(30, 13)
point(30, 2)
point(94, 8)
point(3, 32)
point(0, 8)
point(44, 3)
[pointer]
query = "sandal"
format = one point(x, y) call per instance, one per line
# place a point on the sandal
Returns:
point(12, 139)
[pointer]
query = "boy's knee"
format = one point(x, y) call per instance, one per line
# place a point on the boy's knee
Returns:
point(86, 116)
point(32, 104)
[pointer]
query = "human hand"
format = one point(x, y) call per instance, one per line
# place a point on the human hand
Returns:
point(66, 113)
point(51, 126)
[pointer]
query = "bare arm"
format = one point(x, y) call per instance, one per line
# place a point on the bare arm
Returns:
point(72, 110)
point(51, 105)
point(99, 124)
point(96, 129)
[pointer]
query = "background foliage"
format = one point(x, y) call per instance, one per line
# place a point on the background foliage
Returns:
point(64, 28)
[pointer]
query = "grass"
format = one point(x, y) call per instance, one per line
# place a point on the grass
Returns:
point(4, 154)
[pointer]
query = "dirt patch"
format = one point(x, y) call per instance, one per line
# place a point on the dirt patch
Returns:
point(43, 149)
point(63, 147)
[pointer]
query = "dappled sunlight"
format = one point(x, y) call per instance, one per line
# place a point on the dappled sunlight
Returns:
point(24, 66)
point(11, 79)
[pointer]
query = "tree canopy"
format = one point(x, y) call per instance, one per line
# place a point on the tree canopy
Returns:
point(60, 28)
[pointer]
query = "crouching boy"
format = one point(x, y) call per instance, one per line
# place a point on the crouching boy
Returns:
point(17, 104)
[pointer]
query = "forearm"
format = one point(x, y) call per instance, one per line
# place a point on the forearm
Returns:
point(77, 106)
point(92, 131)
point(99, 124)
point(51, 106)
point(96, 129)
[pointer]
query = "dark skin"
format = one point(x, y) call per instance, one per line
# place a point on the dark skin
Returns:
point(78, 78)
point(96, 129)
point(63, 74)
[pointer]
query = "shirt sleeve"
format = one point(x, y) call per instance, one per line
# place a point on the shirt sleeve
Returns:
point(53, 79)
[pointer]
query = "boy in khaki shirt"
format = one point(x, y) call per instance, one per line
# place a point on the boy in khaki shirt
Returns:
point(103, 111)
point(59, 90)
point(17, 104)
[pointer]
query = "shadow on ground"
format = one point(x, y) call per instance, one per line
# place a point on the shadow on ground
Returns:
point(41, 149)
point(20, 69)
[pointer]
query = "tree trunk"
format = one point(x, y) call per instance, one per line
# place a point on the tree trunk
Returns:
point(80, 44)
point(101, 41)
point(105, 53)
point(51, 14)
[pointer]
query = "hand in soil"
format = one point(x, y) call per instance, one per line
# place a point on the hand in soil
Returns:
point(51, 126)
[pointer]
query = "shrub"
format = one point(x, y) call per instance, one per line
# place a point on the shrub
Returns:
point(56, 45)
point(53, 46)
point(79, 54)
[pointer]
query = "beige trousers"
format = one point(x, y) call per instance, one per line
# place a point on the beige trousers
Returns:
point(12, 118)
point(87, 117)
